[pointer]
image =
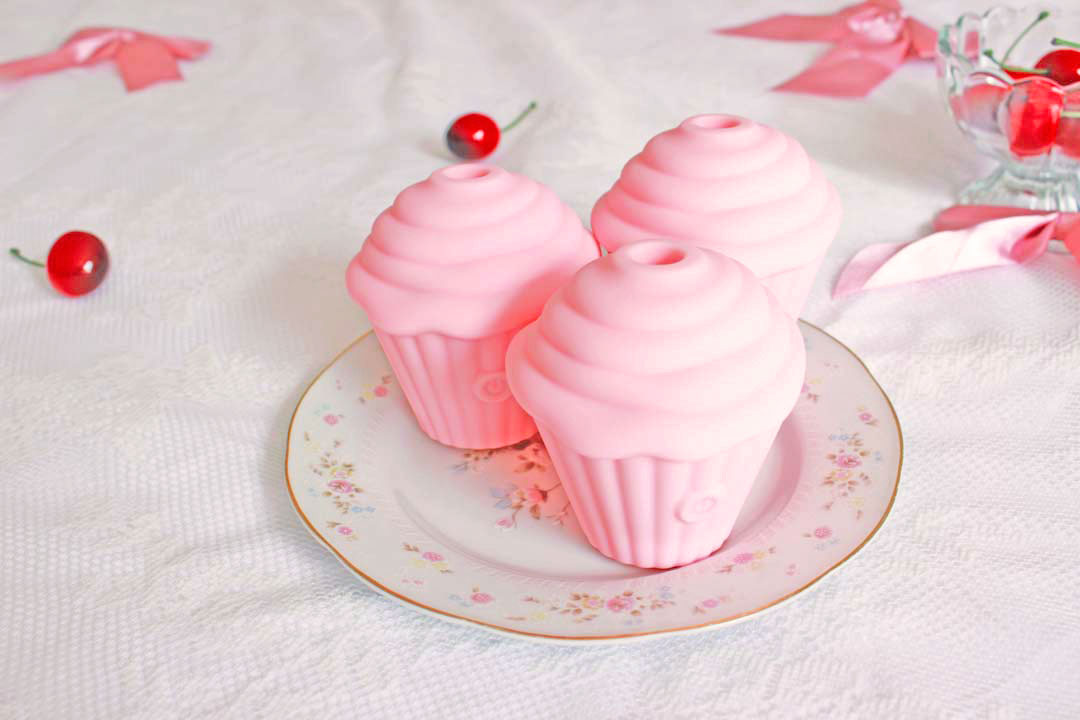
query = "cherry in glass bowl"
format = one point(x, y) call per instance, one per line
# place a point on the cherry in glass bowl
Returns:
point(1016, 96)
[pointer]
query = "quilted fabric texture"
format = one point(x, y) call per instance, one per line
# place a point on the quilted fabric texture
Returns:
point(150, 562)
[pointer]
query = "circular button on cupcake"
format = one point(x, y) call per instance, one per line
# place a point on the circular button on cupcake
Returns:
point(698, 506)
point(491, 387)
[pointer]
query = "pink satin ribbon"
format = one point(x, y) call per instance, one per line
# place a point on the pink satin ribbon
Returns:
point(966, 237)
point(141, 58)
point(870, 41)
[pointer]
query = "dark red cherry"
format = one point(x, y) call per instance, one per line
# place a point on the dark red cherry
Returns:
point(473, 136)
point(1032, 112)
point(1062, 66)
point(1068, 135)
point(77, 263)
point(476, 136)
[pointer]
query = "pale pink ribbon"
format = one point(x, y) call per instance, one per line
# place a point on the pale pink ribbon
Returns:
point(141, 58)
point(966, 237)
point(870, 41)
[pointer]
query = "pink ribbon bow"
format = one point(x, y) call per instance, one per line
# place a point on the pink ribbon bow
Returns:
point(870, 41)
point(141, 58)
point(966, 237)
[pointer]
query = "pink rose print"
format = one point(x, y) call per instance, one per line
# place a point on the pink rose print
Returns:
point(847, 461)
point(620, 603)
point(340, 486)
point(505, 522)
point(743, 558)
point(535, 495)
point(345, 530)
point(432, 556)
point(865, 416)
point(823, 532)
point(380, 391)
point(481, 597)
point(330, 419)
point(710, 602)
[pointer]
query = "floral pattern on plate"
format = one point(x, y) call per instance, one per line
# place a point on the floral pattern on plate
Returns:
point(427, 524)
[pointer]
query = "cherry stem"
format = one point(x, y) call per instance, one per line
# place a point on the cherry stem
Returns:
point(1015, 68)
point(1072, 114)
point(1042, 16)
point(1066, 43)
point(521, 116)
point(15, 252)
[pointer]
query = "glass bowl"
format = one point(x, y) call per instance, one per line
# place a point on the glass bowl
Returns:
point(1029, 123)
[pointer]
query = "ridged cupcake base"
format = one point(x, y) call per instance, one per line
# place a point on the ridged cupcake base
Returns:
point(657, 513)
point(457, 388)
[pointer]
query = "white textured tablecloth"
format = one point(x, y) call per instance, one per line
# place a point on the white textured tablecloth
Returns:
point(151, 565)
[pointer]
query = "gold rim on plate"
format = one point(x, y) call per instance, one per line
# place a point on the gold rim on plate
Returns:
point(580, 638)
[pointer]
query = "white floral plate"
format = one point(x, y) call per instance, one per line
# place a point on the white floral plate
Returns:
point(487, 536)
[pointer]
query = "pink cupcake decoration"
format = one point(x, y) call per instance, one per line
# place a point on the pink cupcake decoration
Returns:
point(658, 378)
point(734, 186)
point(450, 272)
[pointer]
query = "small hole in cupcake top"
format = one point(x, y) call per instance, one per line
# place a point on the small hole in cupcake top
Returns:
point(466, 171)
point(655, 252)
point(715, 122)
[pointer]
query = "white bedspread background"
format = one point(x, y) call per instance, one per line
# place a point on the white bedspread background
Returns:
point(151, 565)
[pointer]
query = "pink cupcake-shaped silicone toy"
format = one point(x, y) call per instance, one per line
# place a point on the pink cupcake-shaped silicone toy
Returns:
point(734, 186)
point(658, 377)
point(451, 271)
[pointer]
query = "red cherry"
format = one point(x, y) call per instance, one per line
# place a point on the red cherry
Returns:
point(1068, 135)
point(1031, 115)
point(473, 136)
point(978, 105)
point(1018, 74)
point(476, 136)
point(1063, 66)
point(77, 263)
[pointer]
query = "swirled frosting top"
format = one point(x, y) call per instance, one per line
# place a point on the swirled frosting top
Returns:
point(661, 348)
point(729, 184)
point(471, 251)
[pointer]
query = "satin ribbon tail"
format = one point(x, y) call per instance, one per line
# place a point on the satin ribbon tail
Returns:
point(994, 243)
